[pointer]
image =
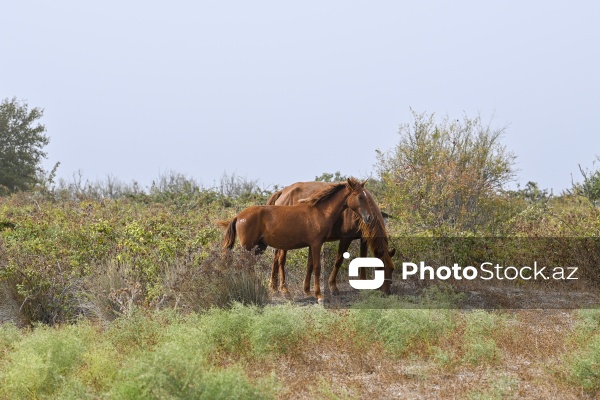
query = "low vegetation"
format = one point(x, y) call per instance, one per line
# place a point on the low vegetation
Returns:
point(289, 351)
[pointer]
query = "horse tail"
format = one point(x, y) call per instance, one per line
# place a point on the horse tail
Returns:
point(229, 239)
point(274, 197)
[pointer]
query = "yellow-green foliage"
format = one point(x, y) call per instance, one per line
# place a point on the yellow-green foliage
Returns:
point(583, 365)
point(215, 354)
point(479, 338)
point(159, 356)
point(444, 175)
point(40, 363)
point(399, 327)
point(56, 253)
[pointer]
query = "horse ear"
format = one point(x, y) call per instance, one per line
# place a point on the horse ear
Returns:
point(392, 252)
point(363, 183)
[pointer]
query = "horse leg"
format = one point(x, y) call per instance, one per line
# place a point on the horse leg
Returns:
point(387, 283)
point(315, 252)
point(339, 259)
point(309, 270)
point(362, 272)
point(282, 286)
point(274, 271)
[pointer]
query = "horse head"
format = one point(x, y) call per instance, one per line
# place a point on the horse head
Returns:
point(357, 200)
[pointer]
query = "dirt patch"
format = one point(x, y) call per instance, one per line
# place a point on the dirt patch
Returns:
point(480, 296)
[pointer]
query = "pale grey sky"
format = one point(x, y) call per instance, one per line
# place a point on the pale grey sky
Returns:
point(283, 91)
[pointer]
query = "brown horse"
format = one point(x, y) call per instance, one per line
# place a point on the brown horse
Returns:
point(306, 224)
point(346, 229)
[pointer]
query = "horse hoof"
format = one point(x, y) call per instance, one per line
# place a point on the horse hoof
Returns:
point(284, 290)
point(334, 291)
point(320, 302)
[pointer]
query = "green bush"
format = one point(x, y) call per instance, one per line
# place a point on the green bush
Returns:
point(479, 343)
point(401, 329)
point(277, 330)
point(445, 176)
point(42, 361)
point(226, 331)
point(177, 367)
point(163, 377)
point(590, 187)
point(136, 332)
point(584, 366)
point(100, 257)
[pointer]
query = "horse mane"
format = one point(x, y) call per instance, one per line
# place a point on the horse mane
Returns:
point(374, 233)
point(329, 191)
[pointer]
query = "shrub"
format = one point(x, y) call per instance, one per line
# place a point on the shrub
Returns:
point(277, 330)
point(220, 280)
point(226, 331)
point(401, 329)
point(479, 342)
point(590, 187)
point(447, 175)
point(42, 361)
point(136, 332)
point(101, 258)
point(100, 368)
point(177, 367)
point(584, 366)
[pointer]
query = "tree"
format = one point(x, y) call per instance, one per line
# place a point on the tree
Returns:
point(446, 174)
point(22, 139)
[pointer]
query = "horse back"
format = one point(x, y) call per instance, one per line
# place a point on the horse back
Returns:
point(292, 194)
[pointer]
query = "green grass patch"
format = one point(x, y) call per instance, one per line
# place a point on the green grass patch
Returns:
point(398, 328)
point(40, 364)
point(582, 366)
point(480, 333)
point(502, 387)
point(277, 330)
